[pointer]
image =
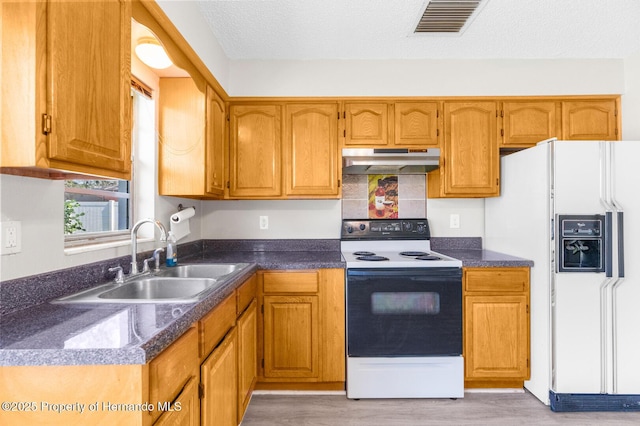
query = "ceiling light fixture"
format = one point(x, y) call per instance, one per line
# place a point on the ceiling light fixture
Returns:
point(151, 52)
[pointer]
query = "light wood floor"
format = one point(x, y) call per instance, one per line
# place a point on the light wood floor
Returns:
point(474, 409)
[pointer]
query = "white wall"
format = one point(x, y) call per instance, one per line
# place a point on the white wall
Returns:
point(426, 77)
point(631, 99)
point(186, 16)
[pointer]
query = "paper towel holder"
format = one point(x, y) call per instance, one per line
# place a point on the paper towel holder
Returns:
point(181, 207)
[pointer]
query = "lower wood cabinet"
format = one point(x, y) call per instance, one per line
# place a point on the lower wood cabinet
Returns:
point(247, 356)
point(228, 357)
point(219, 379)
point(301, 332)
point(185, 410)
point(496, 327)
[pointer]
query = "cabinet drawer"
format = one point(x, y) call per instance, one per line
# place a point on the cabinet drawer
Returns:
point(290, 282)
point(216, 324)
point(497, 279)
point(173, 368)
point(246, 293)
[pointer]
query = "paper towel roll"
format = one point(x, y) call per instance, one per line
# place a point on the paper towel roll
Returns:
point(183, 215)
point(180, 222)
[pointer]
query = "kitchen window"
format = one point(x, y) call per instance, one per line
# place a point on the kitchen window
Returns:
point(103, 210)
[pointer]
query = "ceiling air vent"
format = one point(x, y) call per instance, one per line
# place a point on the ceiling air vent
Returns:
point(447, 16)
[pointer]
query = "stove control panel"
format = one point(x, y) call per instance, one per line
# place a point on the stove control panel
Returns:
point(385, 229)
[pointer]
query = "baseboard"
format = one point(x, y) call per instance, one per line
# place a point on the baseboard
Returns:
point(575, 402)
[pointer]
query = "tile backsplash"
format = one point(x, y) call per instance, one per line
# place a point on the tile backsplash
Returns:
point(412, 201)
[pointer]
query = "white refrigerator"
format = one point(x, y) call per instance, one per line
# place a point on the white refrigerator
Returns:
point(585, 326)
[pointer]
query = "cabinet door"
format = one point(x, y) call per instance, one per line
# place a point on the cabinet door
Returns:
point(529, 122)
point(181, 140)
point(496, 337)
point(247, 356)
point(88, 84)
point(590, 120)
point(219, 378)
point(255, 145)
point(291, 344)
point(471, 153)
point(185, 410)
point(215, 143)
point(366, 124)
point(311, 150)
point(416, 124)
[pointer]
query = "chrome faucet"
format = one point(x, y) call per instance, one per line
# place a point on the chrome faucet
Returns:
point(134, 240)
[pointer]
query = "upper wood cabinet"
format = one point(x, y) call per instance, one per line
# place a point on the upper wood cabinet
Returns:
point(416, 124)
point(311, 155)
point(526, 123)
point(590, 120)
point(469, 165)
point(66, 97)
point(255, 151)
point(191, 149)
point(407, 124)
point(215, 143)
point(366, 124)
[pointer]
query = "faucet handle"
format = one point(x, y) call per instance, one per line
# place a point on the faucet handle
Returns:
point(145, 265)
point(119, 274)
point(156, 258)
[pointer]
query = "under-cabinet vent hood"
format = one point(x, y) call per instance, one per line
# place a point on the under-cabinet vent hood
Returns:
point(366, 161)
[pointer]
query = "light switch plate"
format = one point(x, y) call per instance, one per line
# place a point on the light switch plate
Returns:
point(11, 237)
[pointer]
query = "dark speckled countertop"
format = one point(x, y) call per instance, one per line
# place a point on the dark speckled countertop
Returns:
point(36, 332)
point(75, 334)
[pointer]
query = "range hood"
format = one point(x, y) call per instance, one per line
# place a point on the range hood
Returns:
point(367, 161)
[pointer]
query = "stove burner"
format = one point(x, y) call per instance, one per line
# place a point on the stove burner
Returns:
point(413, 253)
point(428, 257)
point(364, 253)
point(372, 258)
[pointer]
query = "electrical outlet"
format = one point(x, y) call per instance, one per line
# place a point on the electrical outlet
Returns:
point(264, 222)
point(454, 220)
point(11, 234)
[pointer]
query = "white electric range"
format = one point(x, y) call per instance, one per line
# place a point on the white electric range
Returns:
point(404, 312)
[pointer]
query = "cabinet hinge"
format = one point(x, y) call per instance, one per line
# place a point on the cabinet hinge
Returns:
point(344, 133)
point(338, 183)
point(46, 124)
point(437, 132)
point(262, 362)
point(228, 184)
point(501, 113)
point(262, 309)
point(527, 308)
point(344, 114)
point(228, 119)
point(338, 115)
point(497, 181)
point(502, 132)
point(200, 390)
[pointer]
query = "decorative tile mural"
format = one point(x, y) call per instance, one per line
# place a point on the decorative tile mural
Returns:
point(383, 196)
point(404, 196)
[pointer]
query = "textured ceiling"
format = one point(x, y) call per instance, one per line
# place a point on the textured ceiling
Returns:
point(383, 29)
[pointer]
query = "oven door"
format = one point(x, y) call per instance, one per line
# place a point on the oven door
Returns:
point(404, 312)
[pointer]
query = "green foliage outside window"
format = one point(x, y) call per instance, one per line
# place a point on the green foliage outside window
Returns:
point(71, 217)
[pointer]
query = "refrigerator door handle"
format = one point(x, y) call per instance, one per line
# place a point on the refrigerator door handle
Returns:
point(621, 244)
point(608, 244)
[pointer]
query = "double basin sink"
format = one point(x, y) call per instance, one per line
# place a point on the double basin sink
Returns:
point(180, 284)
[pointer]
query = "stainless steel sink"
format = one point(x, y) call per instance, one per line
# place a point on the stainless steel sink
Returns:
point(181, 284)
point(160, 288)
point(216, 270)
